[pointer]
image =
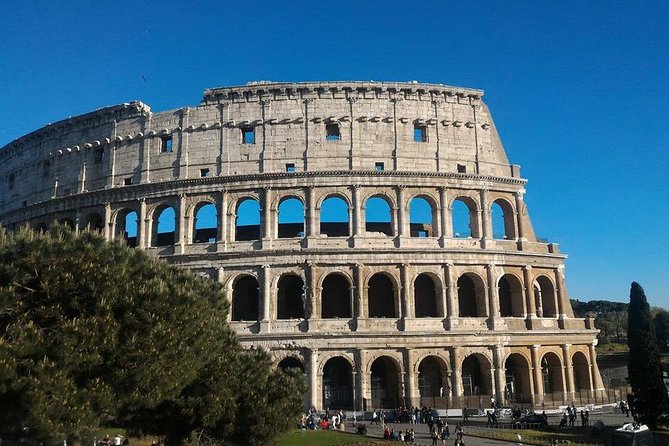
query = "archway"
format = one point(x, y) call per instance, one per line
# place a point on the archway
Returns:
point(510, 296)
point(291, 362)
point(432, 373)
point(381, 297)
point(476, 375)
point(386, 383)
point(581, 372)
point(291, 218)
point(425, 296)
point(127, 226)
point(551, 372)
point(338, 384)
point(422, 218)
point(205, 227)
point(544, 294)
point(335, 297)
point(245, 299)
point(517, 388)
point(164, 226)
point(94, 222)
point(290, 297)
point(471, 296)
point(378, 216)
point(464, 218)
point(247, 222)
point(334, 217)
point(502, 216)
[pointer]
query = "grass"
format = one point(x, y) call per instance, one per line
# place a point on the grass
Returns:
point(542, 437)
point(324, 438)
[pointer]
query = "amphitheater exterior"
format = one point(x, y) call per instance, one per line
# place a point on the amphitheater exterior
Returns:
point(315, 190)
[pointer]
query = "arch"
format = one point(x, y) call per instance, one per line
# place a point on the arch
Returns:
point(381, 299)
point(245, 299)
point(378, 215)
point(291, 218)
point(471, 296)
point(476, 379)
point(551, 373)
point(164, 226)
point(544, 295)
point(422, 217)
point(517, 387)
point(425, 296)
point(432, 377)
point(290, 297)
point(336, 297)
point(127, 226)
point(338, 383)
point(510, 296)
point(386, 383)
point(503, 219)
point(66, 222)
point(334, 217)
point(94, 222)
point(247, 220)
point(205, 223)
point(464, 217)
point(291, 362)
point(581, 372)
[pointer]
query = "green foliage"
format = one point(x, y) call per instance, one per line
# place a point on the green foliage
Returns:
point(649, 400)
point(662, 330)
point(610, 318)
point(93, 332)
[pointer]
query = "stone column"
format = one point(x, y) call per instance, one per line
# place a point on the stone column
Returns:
point(560, 295)
point(403, 223)
point(569, 371)
point(365, 377)
point(407, 304)
point(446, 225)
point(313, 295)
point(486, 227)
point(538, 379)
point(266, 299)
point(144, 229)
point(108, 223)
point(77, 221)
point(314, 394)
point(358, 229)
point(493, 298)
point(412, 396)
point(498, 356)
point(182, 225)
point(595, 377)
point(266, 219)
point(222, 223)
point(311, 213)
point(360, 298)
point(519, 216)
point(456, 355)
point(529, 294)
point(451, 296)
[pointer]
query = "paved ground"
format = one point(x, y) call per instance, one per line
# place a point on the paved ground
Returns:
point(607, 415)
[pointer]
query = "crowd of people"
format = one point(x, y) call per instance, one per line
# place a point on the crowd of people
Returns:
point(570, 415)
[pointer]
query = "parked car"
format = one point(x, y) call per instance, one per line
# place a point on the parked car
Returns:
point(533, 419)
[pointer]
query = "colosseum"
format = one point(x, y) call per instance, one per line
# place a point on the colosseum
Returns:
point(372, 234)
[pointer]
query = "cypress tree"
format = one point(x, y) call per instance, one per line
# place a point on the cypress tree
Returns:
point(649, 401)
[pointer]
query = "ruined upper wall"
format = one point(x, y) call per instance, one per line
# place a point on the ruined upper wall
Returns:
point(289, 123)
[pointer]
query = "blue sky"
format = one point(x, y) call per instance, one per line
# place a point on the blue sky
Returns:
point(579, 91)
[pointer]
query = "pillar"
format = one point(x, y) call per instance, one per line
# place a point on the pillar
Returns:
point(109, 224)
point(446, 226)
point(569, 371)
point(144, 229)
point(456, 355)
point(412, 396)
point(407, 305)
point(182, 225)
point(313, 295)
point(451, 295)
point(265, 307)
point(493, 297)
point(403, 223)
point(538, 379)
point(360, 300)
point(560, 295)
point(595, 377)
point(498, 357)
point(519, 216)
point(486, 229)
point(529, 293)
point(314, 394)
point(222, 223)
point(311, 213)
point(357, 212)
point(266, 217)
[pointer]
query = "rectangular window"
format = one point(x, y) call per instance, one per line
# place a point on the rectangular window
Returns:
point(462, 168)
point(12, 178)
point(290, 167)
point(46, 168)
point(99, 153)
point(378, 167)
point(332, 132)
point(204, 173)
point(419, 133)
point(127, 181)
point(248, 135)
point(166, 144)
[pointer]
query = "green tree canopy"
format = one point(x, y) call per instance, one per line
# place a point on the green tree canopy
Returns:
point(93, 332)
point(649, 400)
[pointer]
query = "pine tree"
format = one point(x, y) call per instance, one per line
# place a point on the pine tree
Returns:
point(649, 401)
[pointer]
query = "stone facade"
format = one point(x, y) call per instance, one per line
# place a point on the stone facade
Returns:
point(377, 312)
